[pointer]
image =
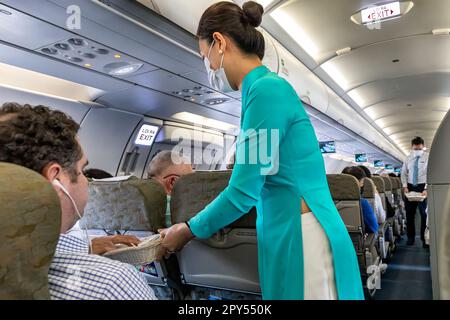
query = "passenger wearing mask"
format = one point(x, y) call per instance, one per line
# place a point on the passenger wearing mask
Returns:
point(304, 249)
point(414, 178)
point(49, 145)
point(370, 219)
point(166, 168)
point(379, 210)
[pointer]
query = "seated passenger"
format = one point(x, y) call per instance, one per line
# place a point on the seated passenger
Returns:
point(166, 168)
point(46, 141)
point(370, 220)
point(379, 210)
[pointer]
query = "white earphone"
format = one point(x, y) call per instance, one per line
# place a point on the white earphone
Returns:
point(58, 183)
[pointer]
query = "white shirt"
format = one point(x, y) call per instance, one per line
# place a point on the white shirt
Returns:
point(76, 275)
point(408, 169)
point(379, 210)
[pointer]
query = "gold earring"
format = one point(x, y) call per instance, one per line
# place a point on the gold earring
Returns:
point(220, 51)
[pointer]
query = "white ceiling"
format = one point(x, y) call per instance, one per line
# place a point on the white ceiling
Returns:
point(382, 88)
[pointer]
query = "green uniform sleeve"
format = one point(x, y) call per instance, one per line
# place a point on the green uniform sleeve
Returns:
point(265, 121)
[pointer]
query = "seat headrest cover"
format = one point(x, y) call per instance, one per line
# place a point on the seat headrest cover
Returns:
point(133, 204)
point(368, 189)
point(387, 184)
point(344, 187)
point(394, 182)
point(30, 223)
point(193, 192)
point(379, 183)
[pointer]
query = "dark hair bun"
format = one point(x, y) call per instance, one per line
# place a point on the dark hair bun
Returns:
point(253, 12)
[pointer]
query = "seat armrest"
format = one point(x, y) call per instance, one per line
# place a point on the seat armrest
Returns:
point(383, 228)
point(370, 240)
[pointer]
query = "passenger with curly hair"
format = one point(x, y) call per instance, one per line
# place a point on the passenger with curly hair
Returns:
point(47, 142)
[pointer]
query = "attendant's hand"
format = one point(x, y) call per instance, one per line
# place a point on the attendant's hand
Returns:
point(102, 245)
point(174, 238)
point(405, 190)
point(425, 193)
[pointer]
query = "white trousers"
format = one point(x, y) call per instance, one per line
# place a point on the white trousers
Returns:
point(318, 261)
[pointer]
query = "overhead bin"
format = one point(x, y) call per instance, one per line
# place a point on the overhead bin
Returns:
point(75, 109)
point(315, 93)
point(110, 129)
point(309, 88)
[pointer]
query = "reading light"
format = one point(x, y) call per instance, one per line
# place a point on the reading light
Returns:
point(208, 122)
point(122, 68)
point(438, 32)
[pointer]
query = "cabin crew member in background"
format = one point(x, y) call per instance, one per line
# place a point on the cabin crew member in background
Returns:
point(46, 141)
point(304, 249)
point(414, 178)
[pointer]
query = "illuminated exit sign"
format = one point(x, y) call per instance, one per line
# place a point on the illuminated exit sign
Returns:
point(380, 13)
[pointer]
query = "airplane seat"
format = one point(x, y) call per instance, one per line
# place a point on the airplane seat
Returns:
point(379, 183)
point(402, 206)
point(387, 230)
point(393, 218)
point(131, 207)
point(345, 192)
point(29, 230)
point(400, 215)
point(227, 261)
point(388, 190)
point(369, 190)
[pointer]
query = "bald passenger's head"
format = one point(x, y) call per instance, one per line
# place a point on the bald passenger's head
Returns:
point(166, 167)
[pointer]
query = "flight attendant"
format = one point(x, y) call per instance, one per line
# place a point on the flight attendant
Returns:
point(304, 249)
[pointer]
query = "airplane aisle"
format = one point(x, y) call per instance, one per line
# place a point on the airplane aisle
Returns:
point(408, 276)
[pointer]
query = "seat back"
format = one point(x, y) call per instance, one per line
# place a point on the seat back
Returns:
point(133, 205)
point(369, 192)
point(388, 190)
point(379, 183)
point(396, 190)
point(346, 195)
point(229, 259)
point(345, 192)
point(30, 222)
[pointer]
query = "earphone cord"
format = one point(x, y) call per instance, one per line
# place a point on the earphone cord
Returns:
point(86, 234)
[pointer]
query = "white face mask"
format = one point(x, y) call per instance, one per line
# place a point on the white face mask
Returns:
point(58, 183)
point(417, 153)
point(217, 78)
